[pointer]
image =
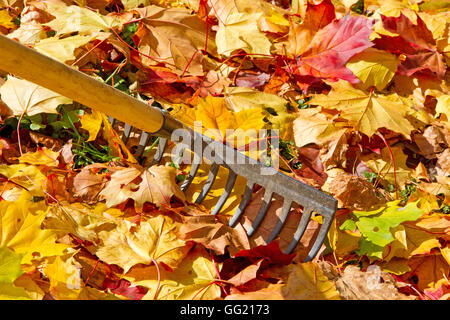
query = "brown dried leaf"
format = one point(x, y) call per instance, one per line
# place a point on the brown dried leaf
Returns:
point(213, 234)
point(430, 142)
point(354, 284)
point(355, 193)
point(88, 184)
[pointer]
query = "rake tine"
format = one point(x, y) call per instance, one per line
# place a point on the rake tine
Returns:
point(281, 220)
point(160, 151)
point(209, 182)
point(142, 143)
point(111, 120)
point(320, 237)
point(244, 202)
point(228, 187)
point(187, 182)
point(268, 194)
point(126, 133)
point(306, 215)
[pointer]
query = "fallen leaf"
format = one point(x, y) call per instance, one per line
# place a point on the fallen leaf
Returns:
point(367, 111)
point(374, 284)
point(355, 193)
point(333, 46)
point(193, 279)
point(42, 157)
point(28, 33)
point(416, 41)
point(157, 185)
point(317, 16)
point(409, 241)
point(238, 28)
point(6, 19)
point(87, 184)
point(431, 270)
point(247, 274)
point(73, 18)
point(24, 97)
point(214, 234)
point(375, 68)
point(443, 105)
point(383, 166)
point(272, 292)
point(10, 265)
point(62, 49)
point(376, 226)
point(10, 270)
point(174, 36)
point(431, 142)
point(21, 229)
point(308, 282)
point(153, 240)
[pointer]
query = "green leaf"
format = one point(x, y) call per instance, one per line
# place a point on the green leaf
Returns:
point(369, 249)
point(359, 214)
point(348, 225)
point(376, 230)
point(9, 265)
point(376, 225)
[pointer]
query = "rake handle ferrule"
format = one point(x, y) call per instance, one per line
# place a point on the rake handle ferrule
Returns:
point(45, 71)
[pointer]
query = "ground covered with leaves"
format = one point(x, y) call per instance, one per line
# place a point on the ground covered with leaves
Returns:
point(357, 89)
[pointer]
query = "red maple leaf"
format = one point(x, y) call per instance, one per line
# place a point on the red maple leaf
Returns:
point(415, 42)
point(333, 46)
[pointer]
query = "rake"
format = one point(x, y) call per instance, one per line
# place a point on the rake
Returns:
point(58, 77)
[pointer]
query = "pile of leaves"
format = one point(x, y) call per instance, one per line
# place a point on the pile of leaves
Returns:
point(357, 89)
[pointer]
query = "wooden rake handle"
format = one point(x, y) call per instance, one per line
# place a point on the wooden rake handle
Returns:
point(40, 69)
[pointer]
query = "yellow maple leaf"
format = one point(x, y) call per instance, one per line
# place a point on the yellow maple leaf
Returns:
point(62, 49)
point(41, 157)
point(375, 68)
point(313, 126)
point(215, 119)
point(393, 8)
point(157, 185)
point(64, 274)
point(192, 279)
point(383, 166)
point(410, 241)
point(274, 108)
point(308, 282)
point(22, 177)
point(20, 228)
point(368, 111)
point(92, 122)
point(443, 105)
point(6, 19)
point(28, 33)
point(25, 97)
point(175, 36)
point(69, 19)
point(238, 27)
point(154, 240)
point(132, 4)
point(65, 278)
point(118, 148)
point(214, 116)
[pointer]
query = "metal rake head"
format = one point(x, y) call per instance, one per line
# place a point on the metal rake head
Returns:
point(273, 181)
